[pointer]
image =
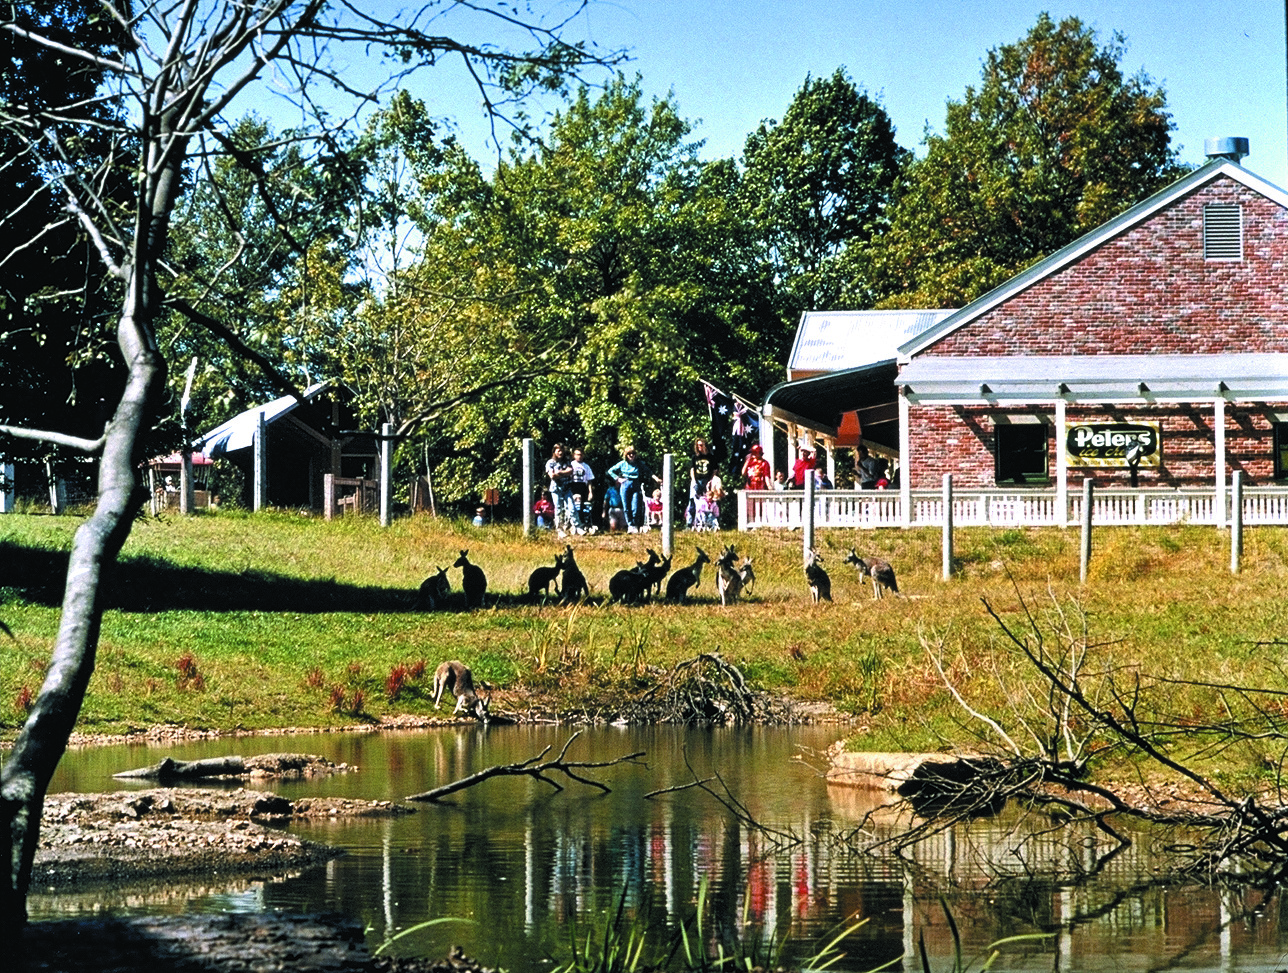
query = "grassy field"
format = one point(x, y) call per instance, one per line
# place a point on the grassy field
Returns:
point(232, 621)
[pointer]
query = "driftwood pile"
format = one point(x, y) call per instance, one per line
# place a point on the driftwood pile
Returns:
point(704, 691)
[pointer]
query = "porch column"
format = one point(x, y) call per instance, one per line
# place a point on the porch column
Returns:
point(905, 462)
point(1218, 421)
point(831, 461)
point(1061, 463)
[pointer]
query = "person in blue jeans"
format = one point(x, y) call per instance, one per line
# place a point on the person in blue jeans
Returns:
point(630, 474)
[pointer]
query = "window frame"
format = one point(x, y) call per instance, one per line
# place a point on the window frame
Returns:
point(1008, 457)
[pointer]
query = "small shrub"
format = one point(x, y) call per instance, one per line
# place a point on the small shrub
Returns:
point(359, 698)
point(354, 671)
point(314, 679)
point(396, 681)
point(190, 676)
point(417, 670)
point(337, 698)
point(24, 700)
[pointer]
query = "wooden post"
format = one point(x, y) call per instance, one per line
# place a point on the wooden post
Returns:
point(386, 473)
point(328, 495)
point(1061, 463)
point(807, 516)
point(1236, 521)
point(187, 499)
point(1086, 528)
point(529, 462)
point(260, 487)
point(6, 488)
point(905, 460)
point(1218, 430)
point(668, 504)
point(948, 526)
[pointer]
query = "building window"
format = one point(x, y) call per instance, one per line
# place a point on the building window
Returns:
point(1281, 450)
point(1020, 453)
point(1223, 231)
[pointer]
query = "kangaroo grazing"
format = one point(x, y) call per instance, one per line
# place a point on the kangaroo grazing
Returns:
point(881, 573)
point(748, 576)
point(820, 585)
point(728, 578)
point(434, 591)
point(657, 569)
point(677, 587)
point(629, 585)
point(473, 581)
point(543, 577)
point(574, 582)
point(456, 677)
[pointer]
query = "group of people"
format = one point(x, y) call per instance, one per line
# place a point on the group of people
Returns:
point(630, 499)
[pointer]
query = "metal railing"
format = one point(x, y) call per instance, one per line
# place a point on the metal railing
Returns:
point(1005, 508)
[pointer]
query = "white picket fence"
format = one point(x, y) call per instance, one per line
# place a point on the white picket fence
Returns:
point(1003, 508)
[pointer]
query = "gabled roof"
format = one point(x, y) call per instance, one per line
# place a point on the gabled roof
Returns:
point(832, 341)
point(239, 431)
point(1085, 244)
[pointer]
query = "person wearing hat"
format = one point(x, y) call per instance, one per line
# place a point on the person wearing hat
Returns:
point(755, 469)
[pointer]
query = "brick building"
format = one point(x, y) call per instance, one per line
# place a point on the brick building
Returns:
point(1151, 352)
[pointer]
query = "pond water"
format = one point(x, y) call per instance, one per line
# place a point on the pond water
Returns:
point(520, 868)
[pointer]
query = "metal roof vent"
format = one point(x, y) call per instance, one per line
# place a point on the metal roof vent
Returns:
point(1233, 149)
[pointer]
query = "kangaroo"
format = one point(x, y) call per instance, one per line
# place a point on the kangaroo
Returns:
point(543, 577)
point(728, 579)
point(456, 677)
point(657, 569)
point(677, 587)
point(434, 591)
point(473, 581)
point(748, 576)
point(574, 582)
point(881, 573)
point(820, 585)
point(629, 585)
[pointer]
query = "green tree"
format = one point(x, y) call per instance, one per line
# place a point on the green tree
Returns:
point(579, 293)
point(816, 184)
point(1053, 142)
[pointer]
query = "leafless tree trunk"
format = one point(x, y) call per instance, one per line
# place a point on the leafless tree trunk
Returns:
point(177, 68)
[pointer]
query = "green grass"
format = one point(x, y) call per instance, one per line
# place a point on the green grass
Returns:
point(255, 621)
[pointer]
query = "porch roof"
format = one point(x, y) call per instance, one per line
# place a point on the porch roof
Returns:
point(818, 402)
point(1097, 378)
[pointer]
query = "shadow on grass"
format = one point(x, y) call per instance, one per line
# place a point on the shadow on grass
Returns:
point(145, 584)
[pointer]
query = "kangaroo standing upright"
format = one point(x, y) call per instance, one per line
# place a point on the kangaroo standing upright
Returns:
point(456, 677)
point(728, 578)
point(820, 585)
point(657, 569)
point(473, 581)
point(677, 587)
point(881, 573)
point(434, 591)
point(574, 582)
point(748, 576)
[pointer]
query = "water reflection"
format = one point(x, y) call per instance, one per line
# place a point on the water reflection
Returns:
point(523, 865)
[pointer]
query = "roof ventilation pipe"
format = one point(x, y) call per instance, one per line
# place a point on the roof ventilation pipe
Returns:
point(1233, 149)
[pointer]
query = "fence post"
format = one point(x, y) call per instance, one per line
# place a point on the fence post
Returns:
point(386, 473)
point(948, 526)
point(260, 495)
point(1086, 529)
point(529, 461)
point(1236, 521)
point(807, 516)
point(668, 504)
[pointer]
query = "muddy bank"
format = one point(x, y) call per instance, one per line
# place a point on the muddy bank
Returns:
point(166, 833)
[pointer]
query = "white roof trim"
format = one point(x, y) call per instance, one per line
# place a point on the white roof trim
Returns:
point(1080, 247)
point(1096, 378)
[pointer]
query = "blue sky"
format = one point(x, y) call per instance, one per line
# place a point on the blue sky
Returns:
point(732, 63)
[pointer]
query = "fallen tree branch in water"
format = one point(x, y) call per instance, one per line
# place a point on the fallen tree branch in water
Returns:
point(532, 767)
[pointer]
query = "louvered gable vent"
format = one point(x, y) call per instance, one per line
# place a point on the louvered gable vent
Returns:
point(1223, 231)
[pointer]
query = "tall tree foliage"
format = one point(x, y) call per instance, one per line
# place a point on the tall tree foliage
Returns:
point(166, 79)
point(582, 290)
point(54, 303)
point(817, 184)
point(1053, 142)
